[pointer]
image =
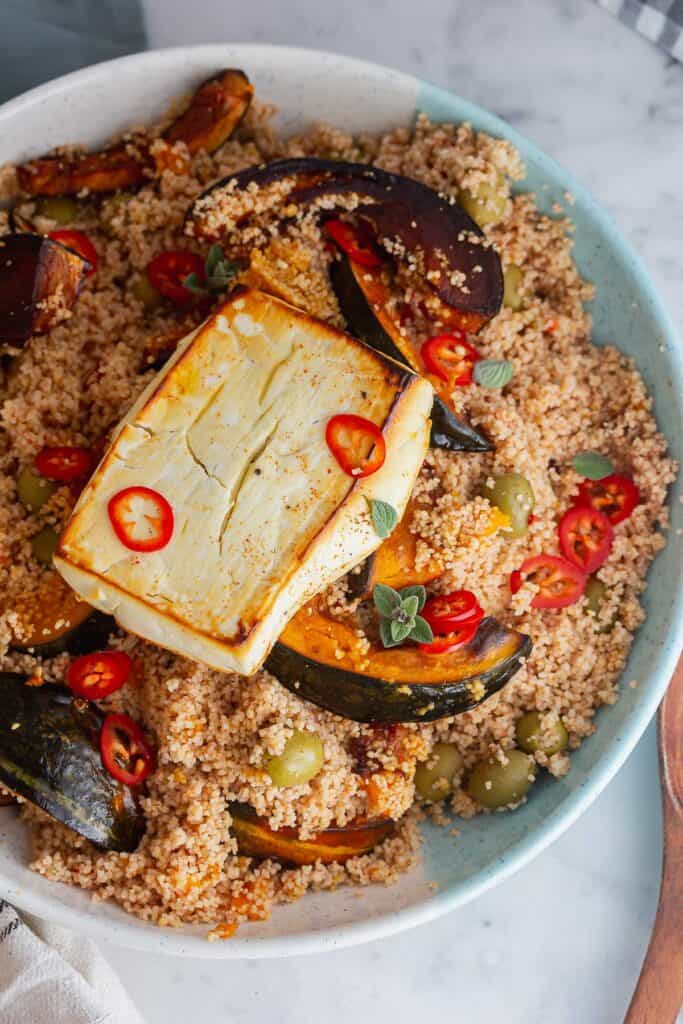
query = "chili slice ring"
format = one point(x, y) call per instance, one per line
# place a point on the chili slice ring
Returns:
point(96, 675)
point(142, 518)
point(64, 463)
point(351, 242)
point(450, 357)
point(457, 637)
point(586, 537)
point(125, 752)
point(560, 583)
point(357, 444)
point(80, 244)
point(615, 496)
point(167, 271)
point(445, 612)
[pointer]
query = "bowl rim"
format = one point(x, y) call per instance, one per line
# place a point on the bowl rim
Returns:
point(128, 932)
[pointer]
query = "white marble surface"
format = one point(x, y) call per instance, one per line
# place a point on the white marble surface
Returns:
point(562, 941)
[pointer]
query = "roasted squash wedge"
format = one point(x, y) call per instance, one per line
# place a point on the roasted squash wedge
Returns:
point(216, 108)
point(321, 659)
point(441, 241)
point(39, 283)
point(255, 838)
point(365, 300)
point(50, 755)
point(51, 618)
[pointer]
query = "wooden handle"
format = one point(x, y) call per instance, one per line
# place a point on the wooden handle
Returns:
point(659, 995)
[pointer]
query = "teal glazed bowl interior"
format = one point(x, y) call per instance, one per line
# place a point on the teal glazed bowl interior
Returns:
point(88, 106)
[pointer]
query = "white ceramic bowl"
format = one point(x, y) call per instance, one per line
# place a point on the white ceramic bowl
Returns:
point(306, 85)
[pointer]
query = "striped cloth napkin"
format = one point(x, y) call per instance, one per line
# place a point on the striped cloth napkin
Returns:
point(661, 21)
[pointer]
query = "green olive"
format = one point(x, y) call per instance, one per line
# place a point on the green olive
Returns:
point(143, 290)
point(595, 594)
point(485, 203)
point(512, 494)
point(112, 206)
point(60, 209)
point(434, 777)
point(33, 490)
point(512, 279)
point(301, 760)
point(494, 785)
point(44, 544)
point(534, 734)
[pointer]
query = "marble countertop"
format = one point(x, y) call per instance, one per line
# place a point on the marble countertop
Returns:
point(563, 940)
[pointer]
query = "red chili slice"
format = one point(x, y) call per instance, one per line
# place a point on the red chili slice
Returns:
point(450, 357)
point(351, 241)
point(168, 270)
point(125, 752)
point(81, 244)
point(586, 537)
point(142, 518)
point(64, 463)
point(96, 675)
point(560, 583)
point(446, 612)
point(455, 638)
point(357, 444)
point(616, 496)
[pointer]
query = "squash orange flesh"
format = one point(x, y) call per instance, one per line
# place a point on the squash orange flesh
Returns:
point(48, 612)
point(394, 561)
point(378, 296)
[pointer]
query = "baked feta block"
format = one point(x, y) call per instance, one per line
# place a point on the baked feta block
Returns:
point(231, 435)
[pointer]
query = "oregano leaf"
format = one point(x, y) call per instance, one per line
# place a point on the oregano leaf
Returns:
point(193, 284)
point(386, 599)
point(400, 631)
point(411, 605)
point(592, 465)
point(421, 631)
point(385, 634)
point(384, 517)
point(493, 373)
point(416, 590)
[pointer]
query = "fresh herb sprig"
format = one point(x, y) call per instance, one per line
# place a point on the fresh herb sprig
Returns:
point(399, 615)
point(218, 273)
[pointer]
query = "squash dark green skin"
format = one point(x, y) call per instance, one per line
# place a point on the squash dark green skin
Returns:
point(364, 698)
point(448, 431)
point(90, 635)
point(52, 758)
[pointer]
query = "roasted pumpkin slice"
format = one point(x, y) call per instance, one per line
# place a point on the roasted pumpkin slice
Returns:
point(444, 244)
point(50, 755)
point(393, 563)
point(39, 283)
point(51, 618)
point(215, 110)
point(321, 659)
point(365, 300)
point(255, 838)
